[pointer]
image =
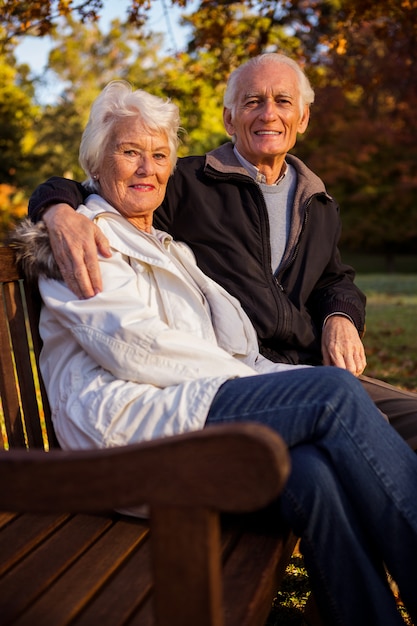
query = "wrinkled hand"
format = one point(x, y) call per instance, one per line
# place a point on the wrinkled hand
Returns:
point(75, 242)
point(342, 346)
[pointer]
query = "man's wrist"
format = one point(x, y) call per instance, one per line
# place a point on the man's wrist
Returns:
point(335, 314)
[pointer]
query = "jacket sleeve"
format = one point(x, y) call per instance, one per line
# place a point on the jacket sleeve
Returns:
point(56, 190)
point(164, 216)
point(122, 334)
point(336, 292)
point(182, 195)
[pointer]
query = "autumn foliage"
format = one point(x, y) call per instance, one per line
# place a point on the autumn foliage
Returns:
point(359, 55)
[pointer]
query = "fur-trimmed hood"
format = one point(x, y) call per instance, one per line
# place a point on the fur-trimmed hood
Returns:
point(33, 250)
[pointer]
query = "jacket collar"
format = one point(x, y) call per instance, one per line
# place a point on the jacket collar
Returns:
point(222, 161)
point(123, 236)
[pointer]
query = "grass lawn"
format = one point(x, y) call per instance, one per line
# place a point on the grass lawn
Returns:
point(391, 347)
point(391, 328)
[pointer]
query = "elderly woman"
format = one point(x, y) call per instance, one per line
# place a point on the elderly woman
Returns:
point(164, 350)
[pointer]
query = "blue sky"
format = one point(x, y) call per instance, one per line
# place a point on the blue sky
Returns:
point(34, 50)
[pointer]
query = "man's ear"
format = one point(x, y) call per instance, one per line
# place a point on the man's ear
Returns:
point(227, 121)
point(303, 123)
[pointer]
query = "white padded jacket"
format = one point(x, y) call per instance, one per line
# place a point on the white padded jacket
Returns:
point(145, 357)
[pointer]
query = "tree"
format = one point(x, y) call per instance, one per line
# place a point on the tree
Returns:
point(363, 135)
point(17, 117)
point(359, 55)
point(38, 17)
point(85, 60)
point(13, 207)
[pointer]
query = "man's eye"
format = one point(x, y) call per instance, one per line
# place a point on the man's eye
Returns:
point(252, 102)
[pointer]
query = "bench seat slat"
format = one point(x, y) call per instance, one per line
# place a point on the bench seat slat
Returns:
point(132, 585)
point(6, 518)
point(95, 564)
point(23, 534)
point(52, 557)
point(87, 570)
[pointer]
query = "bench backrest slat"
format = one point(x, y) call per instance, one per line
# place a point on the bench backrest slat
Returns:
point(25, 415)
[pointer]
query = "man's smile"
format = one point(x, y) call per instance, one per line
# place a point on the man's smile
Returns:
point(268, 132)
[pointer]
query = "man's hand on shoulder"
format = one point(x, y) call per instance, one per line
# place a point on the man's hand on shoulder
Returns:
point(75, 242)
point(341, 345)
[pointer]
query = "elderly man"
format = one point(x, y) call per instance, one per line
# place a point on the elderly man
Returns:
point(261, 224)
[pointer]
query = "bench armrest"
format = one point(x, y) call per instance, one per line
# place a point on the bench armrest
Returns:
point(230, 468)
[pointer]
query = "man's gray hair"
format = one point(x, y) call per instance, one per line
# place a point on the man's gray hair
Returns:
point(233, 84)
point(119, 100)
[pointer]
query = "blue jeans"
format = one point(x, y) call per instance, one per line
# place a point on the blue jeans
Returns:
point(352, 492)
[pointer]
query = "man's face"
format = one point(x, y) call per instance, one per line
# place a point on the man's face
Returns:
point(267, 116)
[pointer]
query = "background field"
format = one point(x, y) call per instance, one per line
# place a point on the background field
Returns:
point(391, 327)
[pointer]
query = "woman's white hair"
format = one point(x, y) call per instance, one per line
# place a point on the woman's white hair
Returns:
point(231, 94)
point(119, 100)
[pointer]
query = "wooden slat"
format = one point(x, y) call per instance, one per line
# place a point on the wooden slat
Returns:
point(132, 585)
point(20, 345)
point(6, 518)
point(8, 389)
point(46, 560)
point(23, 534)
point(33, 305)
point(8, 268)
point(74, 590)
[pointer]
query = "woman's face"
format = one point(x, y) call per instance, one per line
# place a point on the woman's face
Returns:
point(134, 172)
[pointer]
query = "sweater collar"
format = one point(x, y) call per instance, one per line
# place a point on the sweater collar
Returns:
point(254, 172)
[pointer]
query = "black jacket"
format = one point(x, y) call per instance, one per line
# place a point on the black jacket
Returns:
point(215, 206)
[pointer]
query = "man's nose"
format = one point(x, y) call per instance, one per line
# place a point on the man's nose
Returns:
point(269, 110)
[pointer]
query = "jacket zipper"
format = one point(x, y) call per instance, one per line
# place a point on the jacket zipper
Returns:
point(291, 260)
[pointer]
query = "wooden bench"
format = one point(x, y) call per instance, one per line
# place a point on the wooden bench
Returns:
point(212, 553)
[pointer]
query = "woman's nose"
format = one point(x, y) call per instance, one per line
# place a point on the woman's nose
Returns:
point(146, 165)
